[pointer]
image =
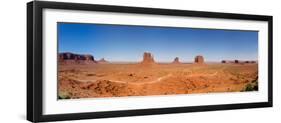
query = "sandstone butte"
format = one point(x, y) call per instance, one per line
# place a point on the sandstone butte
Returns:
point(176, 61)
point(199, 59)
point(148, 58)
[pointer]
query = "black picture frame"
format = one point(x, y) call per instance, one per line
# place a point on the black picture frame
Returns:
point(35, 69)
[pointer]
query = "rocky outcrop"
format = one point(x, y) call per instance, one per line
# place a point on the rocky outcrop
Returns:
point(199, 59)
point(89, 58)
point(253, 62)
point(71, 58)
point(176, 61)
point(148, 58)
point(102, 61)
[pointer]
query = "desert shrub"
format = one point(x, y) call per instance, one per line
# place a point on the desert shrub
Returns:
point(249, 87)
point(256, 87)
point(64, 95)
point(253, 86)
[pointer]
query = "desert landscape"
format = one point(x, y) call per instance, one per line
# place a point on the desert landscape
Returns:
point(82, 76)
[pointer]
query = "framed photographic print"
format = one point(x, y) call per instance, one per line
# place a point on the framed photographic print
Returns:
point(96, 61)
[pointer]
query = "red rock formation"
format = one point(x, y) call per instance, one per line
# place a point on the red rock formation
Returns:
point(147, 58)
point(199, 59)
point(71, 58)
point(88, 59)
point(176, 60)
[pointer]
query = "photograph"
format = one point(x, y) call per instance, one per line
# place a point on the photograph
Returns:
point(107, 60)
point(88, 60)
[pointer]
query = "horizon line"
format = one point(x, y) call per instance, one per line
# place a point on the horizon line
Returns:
point(182, 61)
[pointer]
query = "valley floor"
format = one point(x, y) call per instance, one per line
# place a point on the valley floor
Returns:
point(115, 80)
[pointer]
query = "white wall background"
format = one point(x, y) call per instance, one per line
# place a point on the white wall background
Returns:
point(13, 61)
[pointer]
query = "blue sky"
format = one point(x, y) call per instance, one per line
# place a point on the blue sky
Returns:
point(127, 43)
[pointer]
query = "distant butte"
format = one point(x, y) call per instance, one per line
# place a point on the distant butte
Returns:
point(176, 61)
point(102, 61)
point(238, 61)
point(199, 59)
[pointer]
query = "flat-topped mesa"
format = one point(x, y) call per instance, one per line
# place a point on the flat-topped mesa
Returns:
point(148, 58)
point(199, 59)
point(249, 62)
point(239, 61)
point(253, 62)
point(176, 61)
point(71, 58)
point(102, 61)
